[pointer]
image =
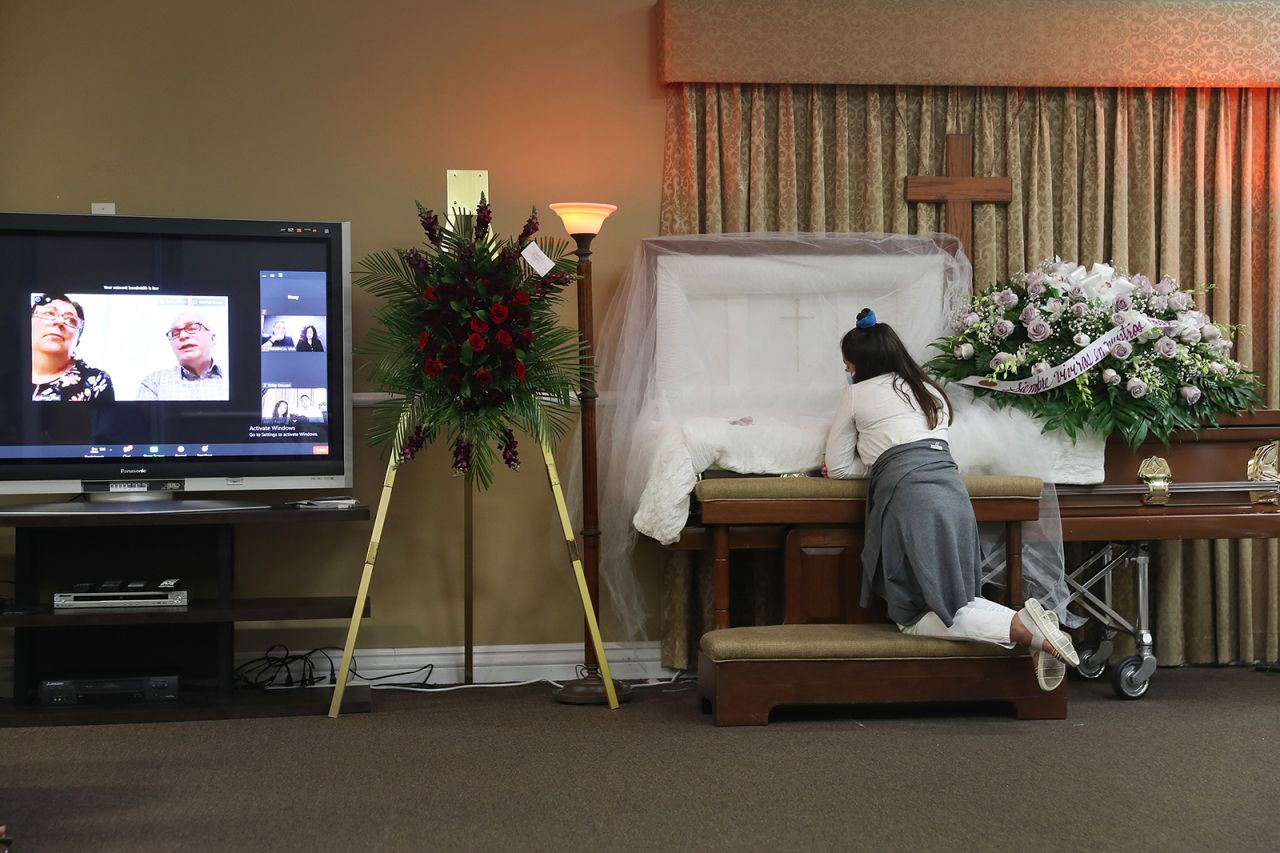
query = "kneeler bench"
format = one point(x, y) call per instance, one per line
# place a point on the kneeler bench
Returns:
point(744, 673)
point(818, 522)
point(831, 650)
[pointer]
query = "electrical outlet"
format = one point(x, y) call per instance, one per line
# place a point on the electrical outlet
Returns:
point(103, 208)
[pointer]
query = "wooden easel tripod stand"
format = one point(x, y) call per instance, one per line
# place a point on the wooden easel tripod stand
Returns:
point(371, 556)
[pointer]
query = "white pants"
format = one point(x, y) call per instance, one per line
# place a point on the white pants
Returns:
point(980, 619)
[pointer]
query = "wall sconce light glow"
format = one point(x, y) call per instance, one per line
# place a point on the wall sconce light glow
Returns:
point(583, 217)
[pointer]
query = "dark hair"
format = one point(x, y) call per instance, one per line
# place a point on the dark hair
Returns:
point(315, 333)
point(46, 298)
point(875, 350)
point(276, 411)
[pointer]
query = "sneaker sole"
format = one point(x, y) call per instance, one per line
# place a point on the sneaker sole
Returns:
point(1050, 671)
point(1055, 635)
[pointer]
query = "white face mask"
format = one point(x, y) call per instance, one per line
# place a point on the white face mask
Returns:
point(849, 377)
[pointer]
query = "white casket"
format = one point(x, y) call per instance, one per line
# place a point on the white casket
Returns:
point(722, 351)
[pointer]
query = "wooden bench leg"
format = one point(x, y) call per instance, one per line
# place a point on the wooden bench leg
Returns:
point(1050, 705)
point(720, 574)
point(740, 715)
point(1013, 562)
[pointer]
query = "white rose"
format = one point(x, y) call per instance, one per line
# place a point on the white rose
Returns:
point(1081, 339)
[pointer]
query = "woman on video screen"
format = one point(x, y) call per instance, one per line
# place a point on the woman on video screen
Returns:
point(309, 340)
point(57, 325)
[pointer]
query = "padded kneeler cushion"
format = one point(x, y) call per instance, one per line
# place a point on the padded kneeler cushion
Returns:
point(838, 642)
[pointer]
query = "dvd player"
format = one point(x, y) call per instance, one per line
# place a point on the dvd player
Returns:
point(109, 691)
point(122, 598)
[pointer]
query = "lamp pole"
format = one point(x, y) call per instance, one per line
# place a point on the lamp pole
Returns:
point(583, 222)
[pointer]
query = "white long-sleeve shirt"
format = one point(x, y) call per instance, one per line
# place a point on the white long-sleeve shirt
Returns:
point(873, 416)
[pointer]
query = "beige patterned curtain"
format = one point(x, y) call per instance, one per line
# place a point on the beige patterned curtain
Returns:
point(1184, 182)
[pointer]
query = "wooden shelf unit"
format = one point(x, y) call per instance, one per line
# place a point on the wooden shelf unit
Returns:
point(196, 642)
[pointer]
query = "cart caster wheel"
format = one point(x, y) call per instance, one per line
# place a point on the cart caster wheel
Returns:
point(1092, 664)
point(1121, 679)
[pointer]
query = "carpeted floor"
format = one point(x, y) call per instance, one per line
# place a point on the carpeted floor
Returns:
point(1193, 766)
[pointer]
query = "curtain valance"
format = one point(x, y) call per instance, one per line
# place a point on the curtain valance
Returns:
point(1113, 43)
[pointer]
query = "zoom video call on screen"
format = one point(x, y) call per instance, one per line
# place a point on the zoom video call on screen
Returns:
point(163, 347)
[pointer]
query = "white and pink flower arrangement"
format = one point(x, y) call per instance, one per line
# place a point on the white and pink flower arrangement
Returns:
point(1097, 349)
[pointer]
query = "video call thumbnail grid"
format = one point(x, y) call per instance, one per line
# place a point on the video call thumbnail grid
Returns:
point(294, 328)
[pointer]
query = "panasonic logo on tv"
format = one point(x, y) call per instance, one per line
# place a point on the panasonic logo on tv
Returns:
point(133, 470)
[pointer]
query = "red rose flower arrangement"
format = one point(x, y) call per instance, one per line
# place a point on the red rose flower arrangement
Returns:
point(469, 343)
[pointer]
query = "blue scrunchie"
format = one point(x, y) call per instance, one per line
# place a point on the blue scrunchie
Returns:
point(868, 321)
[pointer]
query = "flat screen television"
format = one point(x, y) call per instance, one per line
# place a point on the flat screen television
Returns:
point(154, 357)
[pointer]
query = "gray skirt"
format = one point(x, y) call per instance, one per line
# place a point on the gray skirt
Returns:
point(921, 551)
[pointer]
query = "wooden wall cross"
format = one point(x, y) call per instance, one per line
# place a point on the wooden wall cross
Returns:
point(959, 189)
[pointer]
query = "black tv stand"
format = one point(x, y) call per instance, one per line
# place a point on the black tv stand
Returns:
point(196, 641)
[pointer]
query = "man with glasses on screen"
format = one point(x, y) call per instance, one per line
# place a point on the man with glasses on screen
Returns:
point(195, 376)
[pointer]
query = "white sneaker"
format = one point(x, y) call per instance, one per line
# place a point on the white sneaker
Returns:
point(1043, 625)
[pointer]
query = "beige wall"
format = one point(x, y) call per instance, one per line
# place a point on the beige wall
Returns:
point(336, 109)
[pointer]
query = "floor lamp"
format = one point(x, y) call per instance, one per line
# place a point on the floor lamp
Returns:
point(583, 221)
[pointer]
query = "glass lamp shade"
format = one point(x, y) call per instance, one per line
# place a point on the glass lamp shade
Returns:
point(583, 217)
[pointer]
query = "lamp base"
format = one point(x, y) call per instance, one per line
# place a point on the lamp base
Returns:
point(590, 690)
